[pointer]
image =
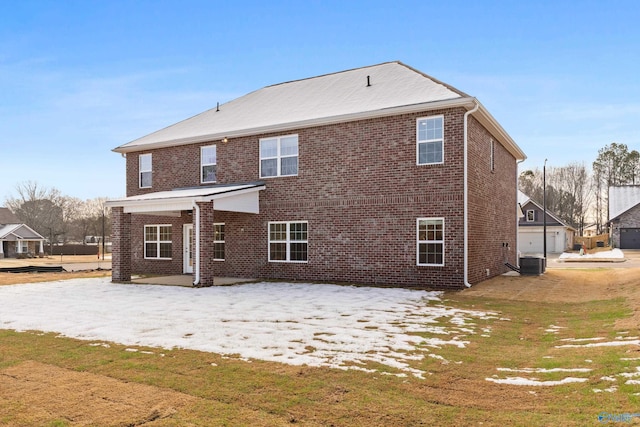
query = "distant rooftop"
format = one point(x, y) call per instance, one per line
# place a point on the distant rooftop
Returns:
point(623, 198)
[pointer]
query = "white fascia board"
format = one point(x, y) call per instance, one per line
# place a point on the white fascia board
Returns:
point(405, 109)
point(489, 122)
point(246, 203)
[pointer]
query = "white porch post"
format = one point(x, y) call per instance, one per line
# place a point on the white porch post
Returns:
point(1, 250)
point(41, 252)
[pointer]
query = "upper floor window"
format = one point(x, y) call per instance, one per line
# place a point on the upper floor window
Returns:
point(492, 155)
point(144, 163)
point(288, 241)
point(531, 215)
point(430, 241)
point(430, 140)
point(208, 163)
point(279, 156)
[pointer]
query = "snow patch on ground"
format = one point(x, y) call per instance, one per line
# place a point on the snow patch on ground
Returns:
point(535, 381)
point(612, 254)
point(342, 327)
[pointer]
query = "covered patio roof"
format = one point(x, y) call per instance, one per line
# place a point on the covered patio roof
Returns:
point(226, 197)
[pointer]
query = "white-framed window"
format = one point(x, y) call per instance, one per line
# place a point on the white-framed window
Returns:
point(208, 164)
point(531, 215)
point(492, 154)
point(218, 241)
point(22, 246)
point(430, 140)
point(157, 241)
point(145, 168)
point(288, 241)
point(430, 241)
point(279, 156)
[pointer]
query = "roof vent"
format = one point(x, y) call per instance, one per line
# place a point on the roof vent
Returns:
point(217, 106)
point(368, 81)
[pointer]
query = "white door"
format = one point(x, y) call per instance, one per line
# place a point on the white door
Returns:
point(187, 250)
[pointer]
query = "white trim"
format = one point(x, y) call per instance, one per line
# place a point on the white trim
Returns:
point(141, 171)
point(196, 236)
point(465, 214)
point(527, 215)
point(287, 242)
point(427, 241)
point(187, 256)
point(202, 164)
point(428, 141)
point(219, 241)
point(159, 241)
point(234, 198)
point(279, 156)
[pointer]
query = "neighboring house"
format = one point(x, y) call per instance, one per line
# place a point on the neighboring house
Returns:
point(377, 175)
point(531, 229)
point(17, 238)
point(624, 216)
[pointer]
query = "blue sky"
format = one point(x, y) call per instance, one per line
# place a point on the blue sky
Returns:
point(78, 78)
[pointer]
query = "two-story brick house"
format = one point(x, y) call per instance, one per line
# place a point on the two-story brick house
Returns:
point(377, 175)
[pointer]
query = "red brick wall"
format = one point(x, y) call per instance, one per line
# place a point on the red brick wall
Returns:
point(492, 206)
point(360, 190)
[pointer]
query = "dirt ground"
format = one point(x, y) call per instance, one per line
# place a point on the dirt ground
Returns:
point(36, 391)
point(40, 390)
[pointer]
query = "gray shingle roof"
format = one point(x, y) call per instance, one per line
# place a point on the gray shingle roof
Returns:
point(623, 198)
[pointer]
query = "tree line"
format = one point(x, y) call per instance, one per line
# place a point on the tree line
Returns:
point(578, 195)
point(60, 219)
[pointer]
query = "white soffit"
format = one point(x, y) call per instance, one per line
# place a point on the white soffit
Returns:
point(234, 198)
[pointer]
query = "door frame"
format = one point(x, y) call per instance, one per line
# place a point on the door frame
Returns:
point(187, 248)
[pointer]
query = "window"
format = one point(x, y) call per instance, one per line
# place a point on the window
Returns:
point(157, 241)
point(531, 216)
point(208, 164)
point(279, 156)
point(430, 241)
point(430, 149)
point(288, 241)
point(145, 170)
point(492, 153)
point(218, 242)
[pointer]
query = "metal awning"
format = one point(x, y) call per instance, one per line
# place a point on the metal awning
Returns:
point(226, 197)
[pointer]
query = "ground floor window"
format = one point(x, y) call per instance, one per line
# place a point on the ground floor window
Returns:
point(430, 241)
point(288, 241)
point(157, 241)
point(218, 242)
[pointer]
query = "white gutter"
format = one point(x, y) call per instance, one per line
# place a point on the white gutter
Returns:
point(466, 195)
point(299, 124)
point(196, 236)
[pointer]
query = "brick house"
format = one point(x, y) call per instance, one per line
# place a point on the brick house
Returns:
point(18, 239)
point(624, 216)
point(377, 175)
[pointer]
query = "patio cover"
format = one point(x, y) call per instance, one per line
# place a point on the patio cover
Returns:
point(226, 197)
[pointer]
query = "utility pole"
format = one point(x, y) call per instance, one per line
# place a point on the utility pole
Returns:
point(544, 209)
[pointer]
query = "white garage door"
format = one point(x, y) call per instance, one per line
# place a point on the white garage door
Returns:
point(533, 243)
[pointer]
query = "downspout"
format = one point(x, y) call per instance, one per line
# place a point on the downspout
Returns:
point(466, 194)
point(196, 236)
point(517, 218)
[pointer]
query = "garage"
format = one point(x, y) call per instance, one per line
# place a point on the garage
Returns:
point(532, 242)
point(630, 238)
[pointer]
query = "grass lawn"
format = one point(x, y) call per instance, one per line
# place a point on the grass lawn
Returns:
point(532, 342)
